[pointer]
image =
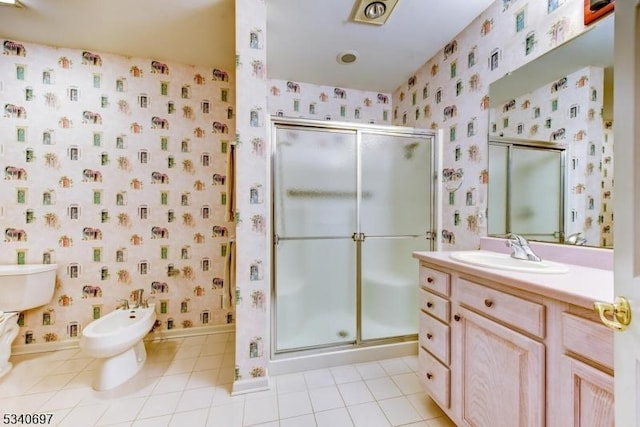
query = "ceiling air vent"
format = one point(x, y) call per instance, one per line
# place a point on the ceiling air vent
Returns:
point(373, 11)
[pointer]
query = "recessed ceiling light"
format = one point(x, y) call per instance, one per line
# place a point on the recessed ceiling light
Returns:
point(348, 57)
point(375, 10)
point(372, 11)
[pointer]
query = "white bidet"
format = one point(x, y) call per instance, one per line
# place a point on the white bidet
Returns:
point(116, 338)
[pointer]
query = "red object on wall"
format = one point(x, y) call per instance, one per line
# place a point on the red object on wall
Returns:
point(590, 17)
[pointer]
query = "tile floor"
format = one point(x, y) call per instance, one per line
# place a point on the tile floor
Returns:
point(187, 382)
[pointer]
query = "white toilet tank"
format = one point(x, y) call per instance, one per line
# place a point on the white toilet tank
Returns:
point(26, 286)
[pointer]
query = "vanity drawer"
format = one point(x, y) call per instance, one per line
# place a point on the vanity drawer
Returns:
point(435, 280)
point(434, 336)
point(435, 378)
point(526, 315)
point(591, 340)
point(435, 305)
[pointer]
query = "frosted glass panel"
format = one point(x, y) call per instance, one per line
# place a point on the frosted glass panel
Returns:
point(536, 193)
point(315, 183)
point(315, 292)
point(498, 172)
point(396, 184)
point(326, 188)
point(390, 287)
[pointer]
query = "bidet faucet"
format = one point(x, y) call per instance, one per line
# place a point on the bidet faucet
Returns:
point(137, 297)
point(124, 304)
point(521, 248)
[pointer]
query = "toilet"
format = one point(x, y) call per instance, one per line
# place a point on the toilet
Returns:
point(116, 339)
point(22, 287)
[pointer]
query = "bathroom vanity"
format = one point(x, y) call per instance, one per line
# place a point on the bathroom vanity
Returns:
point(507, 348)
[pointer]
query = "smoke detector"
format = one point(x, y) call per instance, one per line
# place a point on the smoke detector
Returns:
point(373, 11)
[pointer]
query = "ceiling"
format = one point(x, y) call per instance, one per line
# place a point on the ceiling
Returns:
point(304, 36)
point(195, 32)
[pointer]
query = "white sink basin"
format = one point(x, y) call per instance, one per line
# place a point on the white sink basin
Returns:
point(506, 262)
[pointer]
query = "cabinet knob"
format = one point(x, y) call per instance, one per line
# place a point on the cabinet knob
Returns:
point(488, 302)
point(429, 304)
point(429, 375)
point(456, 317)
point(429, 279)
point(429, 336)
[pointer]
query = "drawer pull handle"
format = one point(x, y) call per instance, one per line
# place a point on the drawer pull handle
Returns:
point(429, 279)
point(429, 336)
point(488, 303)
point(429, 304)
point(429, 375)
point(456, 317)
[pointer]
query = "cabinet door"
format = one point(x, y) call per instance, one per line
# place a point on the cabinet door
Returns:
point(503, 375)
point(590, 395)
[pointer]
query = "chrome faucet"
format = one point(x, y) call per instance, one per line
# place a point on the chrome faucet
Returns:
point(521, 248)
point(137, 298)
point(575, 239)
point(124, 304)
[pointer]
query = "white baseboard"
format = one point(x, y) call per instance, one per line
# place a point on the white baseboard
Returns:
point(167, 334)
point(160, 335)
point(251, 385)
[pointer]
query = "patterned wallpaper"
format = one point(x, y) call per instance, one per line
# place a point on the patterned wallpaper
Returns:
point(310, 101)
point(568, 112)
point(450, 92)
point(252, 266)
point(114, 168)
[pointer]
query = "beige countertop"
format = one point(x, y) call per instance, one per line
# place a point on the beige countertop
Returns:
point(580, 286)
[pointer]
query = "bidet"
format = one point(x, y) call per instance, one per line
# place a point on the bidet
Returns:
point(116, 338)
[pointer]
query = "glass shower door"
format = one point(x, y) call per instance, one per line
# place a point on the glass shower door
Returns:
point(536, 193)
point(314, 186)
point(526, 191)
point(395, 216)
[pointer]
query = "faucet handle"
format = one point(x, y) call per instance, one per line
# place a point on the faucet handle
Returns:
point(517, 238)
point(137, 296)
point(125, 304)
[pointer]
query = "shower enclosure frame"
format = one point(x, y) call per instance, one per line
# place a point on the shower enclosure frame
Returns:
point(430, 236)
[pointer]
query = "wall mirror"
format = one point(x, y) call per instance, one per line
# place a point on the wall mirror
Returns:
point(551, 139)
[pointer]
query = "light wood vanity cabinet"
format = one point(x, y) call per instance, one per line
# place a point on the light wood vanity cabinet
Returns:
point(435, 335)
point(587, 372)
point(494, 356)
point(502, 374)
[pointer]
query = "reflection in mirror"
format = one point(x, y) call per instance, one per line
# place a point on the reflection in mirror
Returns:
point(563, 98)
point(527, 190)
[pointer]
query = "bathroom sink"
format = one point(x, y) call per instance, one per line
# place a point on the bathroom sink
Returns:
point(506, 262)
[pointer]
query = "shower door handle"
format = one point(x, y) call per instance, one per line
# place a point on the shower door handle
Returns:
point(358, 237)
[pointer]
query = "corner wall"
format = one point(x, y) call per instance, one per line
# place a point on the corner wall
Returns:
point(252, 151)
